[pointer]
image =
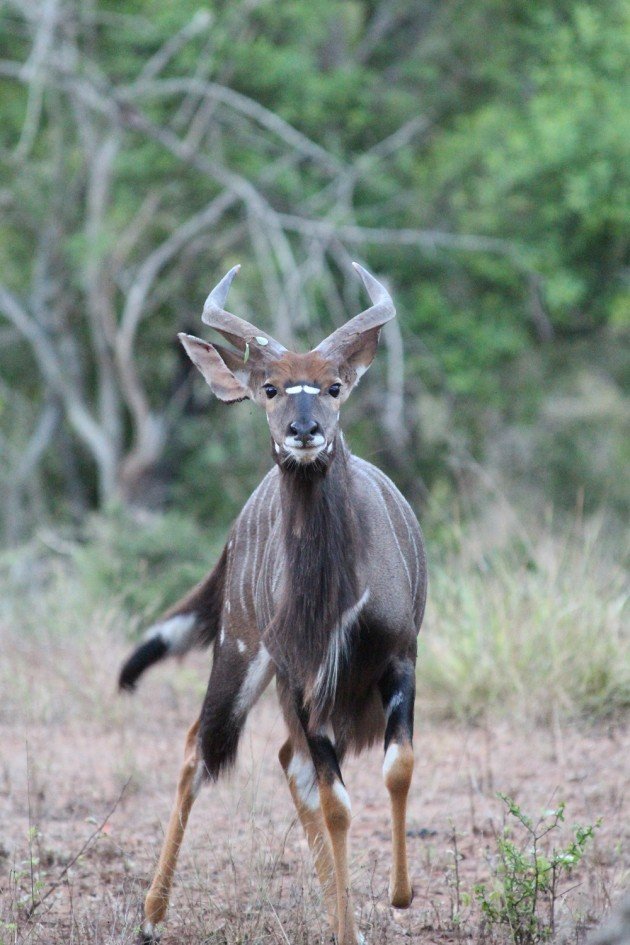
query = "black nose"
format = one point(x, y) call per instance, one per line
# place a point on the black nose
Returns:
point(304, 430)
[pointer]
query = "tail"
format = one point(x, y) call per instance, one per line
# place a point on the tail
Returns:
point(191, 623)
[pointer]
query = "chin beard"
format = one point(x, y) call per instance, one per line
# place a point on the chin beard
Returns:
point(304, 462)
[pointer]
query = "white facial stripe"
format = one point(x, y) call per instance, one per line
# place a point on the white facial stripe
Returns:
point(302, 388)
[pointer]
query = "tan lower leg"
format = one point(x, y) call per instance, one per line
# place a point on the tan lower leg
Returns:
point(156, 903)
point(316, 834)
point(397, 773)
point(336, 810)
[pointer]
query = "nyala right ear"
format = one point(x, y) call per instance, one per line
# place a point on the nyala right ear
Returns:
point(354, 345)
point(229, 385)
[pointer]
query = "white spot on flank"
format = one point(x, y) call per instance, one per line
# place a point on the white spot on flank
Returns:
point(259, 674)
point(241, 646)
point(176, 632)
point(302, 388)
point(342, 795)
point(391, 755)
point(302, 772)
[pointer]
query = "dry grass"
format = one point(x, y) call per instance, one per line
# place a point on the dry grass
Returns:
point(536, 627)
point(70, 743)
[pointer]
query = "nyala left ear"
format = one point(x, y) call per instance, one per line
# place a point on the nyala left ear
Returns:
point(353, 346)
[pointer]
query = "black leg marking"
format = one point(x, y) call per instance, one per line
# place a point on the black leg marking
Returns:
point(398, 691)
point(220, 724)
point(320, 746)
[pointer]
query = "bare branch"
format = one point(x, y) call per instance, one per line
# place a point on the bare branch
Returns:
point(240, 103)
point(33, 72)
point(427, 239)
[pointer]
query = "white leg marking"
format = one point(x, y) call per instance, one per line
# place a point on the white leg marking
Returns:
point(259, 674)
point(175, 632)
point(394, 702)
point(302, 771)
point(342, 795)
point(391, 755)
point(198, 778)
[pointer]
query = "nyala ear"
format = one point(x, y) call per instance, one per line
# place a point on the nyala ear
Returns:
point(224, 372)
point(353, 346)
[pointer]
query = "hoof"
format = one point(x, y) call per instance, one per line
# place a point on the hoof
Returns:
point(401, 898)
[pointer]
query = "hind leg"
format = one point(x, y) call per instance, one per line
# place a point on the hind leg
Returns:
point(302, 780)
point(156, 903)
point(236, 681)
point(397, 689)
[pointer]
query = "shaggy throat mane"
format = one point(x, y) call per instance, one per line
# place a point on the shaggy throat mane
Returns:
point(320, 542)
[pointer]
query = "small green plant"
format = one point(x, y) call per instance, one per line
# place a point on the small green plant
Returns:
point(528, 877)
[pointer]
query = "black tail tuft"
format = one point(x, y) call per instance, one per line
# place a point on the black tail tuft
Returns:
point(148, 653)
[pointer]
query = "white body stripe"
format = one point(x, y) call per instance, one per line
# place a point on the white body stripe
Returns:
point(328, 675)
point(366, 471)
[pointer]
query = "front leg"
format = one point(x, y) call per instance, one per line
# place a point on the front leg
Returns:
point(335, 806)
point(397, 687)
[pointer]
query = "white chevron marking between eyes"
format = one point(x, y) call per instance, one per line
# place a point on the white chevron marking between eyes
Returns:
point(299, 388)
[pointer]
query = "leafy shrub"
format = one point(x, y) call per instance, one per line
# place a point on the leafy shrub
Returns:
point(528, 878)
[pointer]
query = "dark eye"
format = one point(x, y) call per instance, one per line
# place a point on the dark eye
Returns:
point(334, 390)
point(270, 390)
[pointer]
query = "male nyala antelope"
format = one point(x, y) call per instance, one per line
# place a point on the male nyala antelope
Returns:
point(322, 584)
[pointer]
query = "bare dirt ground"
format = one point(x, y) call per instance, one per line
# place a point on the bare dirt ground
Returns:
point(66, 754)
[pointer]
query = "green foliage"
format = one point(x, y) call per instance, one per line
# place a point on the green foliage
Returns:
point(528, 877)
point(521, 130)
